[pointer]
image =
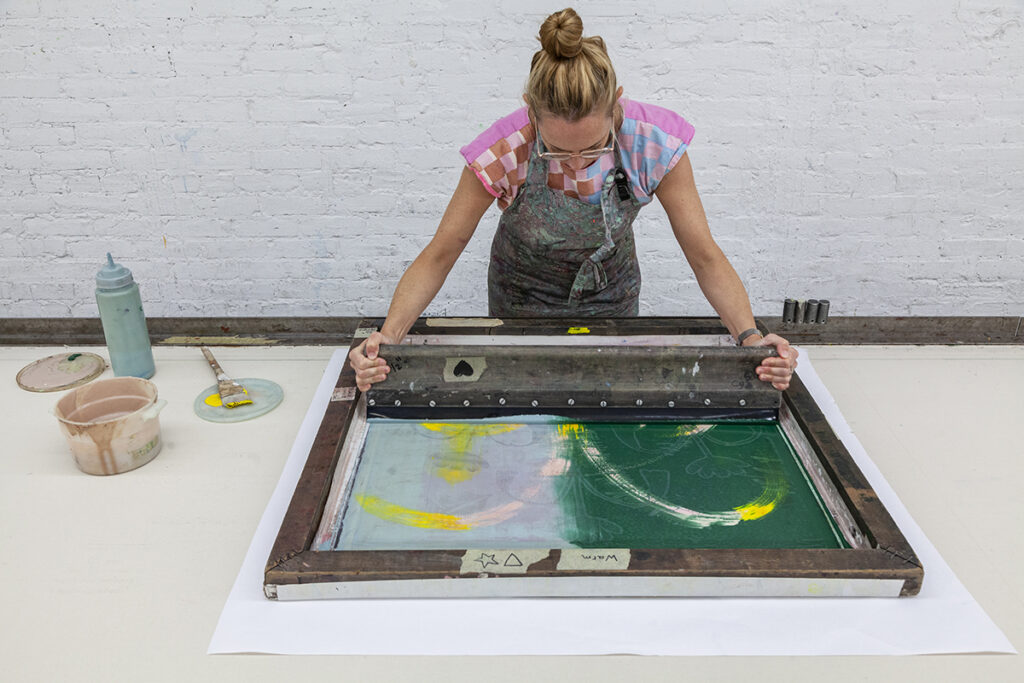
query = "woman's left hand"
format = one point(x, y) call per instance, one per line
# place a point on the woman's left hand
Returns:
point(777, 369)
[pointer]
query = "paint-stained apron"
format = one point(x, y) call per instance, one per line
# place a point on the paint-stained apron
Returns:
point(556, 256)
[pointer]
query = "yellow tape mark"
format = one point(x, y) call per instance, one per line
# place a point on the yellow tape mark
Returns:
point(218, 341)
point(579, 330)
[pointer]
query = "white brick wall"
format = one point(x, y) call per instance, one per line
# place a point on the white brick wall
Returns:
point(248, 157)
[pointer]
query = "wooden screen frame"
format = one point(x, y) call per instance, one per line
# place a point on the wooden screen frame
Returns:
point(887, 558)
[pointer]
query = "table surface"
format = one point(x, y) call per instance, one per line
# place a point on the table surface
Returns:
point(124, 577)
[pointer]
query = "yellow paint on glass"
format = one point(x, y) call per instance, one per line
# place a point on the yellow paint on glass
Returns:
point(457, 464)
point(379, 507)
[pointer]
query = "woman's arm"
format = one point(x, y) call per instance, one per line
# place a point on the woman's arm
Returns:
point(427, 273)
point(424, 277)
point(716, 277)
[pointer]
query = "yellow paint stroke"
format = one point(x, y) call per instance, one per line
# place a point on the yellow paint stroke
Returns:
point(456, 465)
point(572, 430)
point(579, 330)
point(774, 492)
point(379, 507)
point(438, 520)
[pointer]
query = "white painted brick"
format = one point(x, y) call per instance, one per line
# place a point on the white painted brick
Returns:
point(20, 159)
point(11, 62)
point(20, 10)
point(297, 111)
point(29, 87)
point(283, 60)
point(276, 205)
point(43, 247)
point(270, 159)
point(212, 110)
point(229, 8)
point(852, 132)
point(74, 159)
point(71, 111)
point(40, 136)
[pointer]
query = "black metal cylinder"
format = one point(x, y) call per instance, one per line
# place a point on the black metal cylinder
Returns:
point(789, 311)
point(822, 316)
point(811, 312)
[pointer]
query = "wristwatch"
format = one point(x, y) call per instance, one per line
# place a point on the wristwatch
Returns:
point(746, 333)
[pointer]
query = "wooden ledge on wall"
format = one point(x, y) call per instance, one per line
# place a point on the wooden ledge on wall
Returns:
point(338, 331)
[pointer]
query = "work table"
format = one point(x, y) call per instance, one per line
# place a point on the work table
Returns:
point(124, 577)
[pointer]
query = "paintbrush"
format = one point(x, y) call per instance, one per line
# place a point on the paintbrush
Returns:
point(232, 394)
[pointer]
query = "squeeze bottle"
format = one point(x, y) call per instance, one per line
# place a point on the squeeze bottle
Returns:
point(124, 323)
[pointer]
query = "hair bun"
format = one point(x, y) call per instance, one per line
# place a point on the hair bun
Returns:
point(561, 34)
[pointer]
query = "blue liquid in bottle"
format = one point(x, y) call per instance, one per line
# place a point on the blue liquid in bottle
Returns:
point(124, 323)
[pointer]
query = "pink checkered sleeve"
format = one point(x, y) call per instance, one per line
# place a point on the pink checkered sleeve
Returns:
point(500, 155)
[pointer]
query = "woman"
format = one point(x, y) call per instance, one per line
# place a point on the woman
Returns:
point(570, 172)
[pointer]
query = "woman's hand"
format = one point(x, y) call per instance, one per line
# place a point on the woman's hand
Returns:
point(368, 366)
point(777, 369)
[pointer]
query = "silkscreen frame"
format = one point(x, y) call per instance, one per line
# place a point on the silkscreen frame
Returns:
point(879, 563)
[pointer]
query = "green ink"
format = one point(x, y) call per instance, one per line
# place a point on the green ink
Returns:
point(668, 485)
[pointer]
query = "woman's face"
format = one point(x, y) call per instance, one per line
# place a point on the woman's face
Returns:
point(573, 137)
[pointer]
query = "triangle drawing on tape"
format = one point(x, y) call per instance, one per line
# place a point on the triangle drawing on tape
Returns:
point(513, 561)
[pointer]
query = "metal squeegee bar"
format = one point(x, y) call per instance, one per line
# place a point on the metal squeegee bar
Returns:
point(535, 378)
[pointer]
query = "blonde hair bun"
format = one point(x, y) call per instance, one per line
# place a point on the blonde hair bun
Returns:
point(571, 76)
point(561, 34)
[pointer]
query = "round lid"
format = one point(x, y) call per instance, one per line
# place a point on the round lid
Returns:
point(61, 371)
point(113, 275)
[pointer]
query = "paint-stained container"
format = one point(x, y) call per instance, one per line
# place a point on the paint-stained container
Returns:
point(112, 425)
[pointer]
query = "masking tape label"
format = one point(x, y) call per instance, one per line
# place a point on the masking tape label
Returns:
point(464, 322)
point(608, 559)
point(343, 394)
point(500, 561)
point(464, 369)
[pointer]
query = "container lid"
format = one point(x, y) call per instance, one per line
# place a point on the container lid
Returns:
point(113, 275)
point(61, 371)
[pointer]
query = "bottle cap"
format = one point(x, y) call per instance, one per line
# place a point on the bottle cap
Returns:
point(113, 275)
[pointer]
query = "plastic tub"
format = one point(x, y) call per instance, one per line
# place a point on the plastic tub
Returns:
point(112, 425)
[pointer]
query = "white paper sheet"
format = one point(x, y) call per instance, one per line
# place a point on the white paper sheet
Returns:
point(943, 618)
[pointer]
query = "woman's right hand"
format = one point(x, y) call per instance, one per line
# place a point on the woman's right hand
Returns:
point(368, 366)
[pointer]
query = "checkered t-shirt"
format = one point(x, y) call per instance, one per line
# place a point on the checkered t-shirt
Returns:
point(651, 139)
